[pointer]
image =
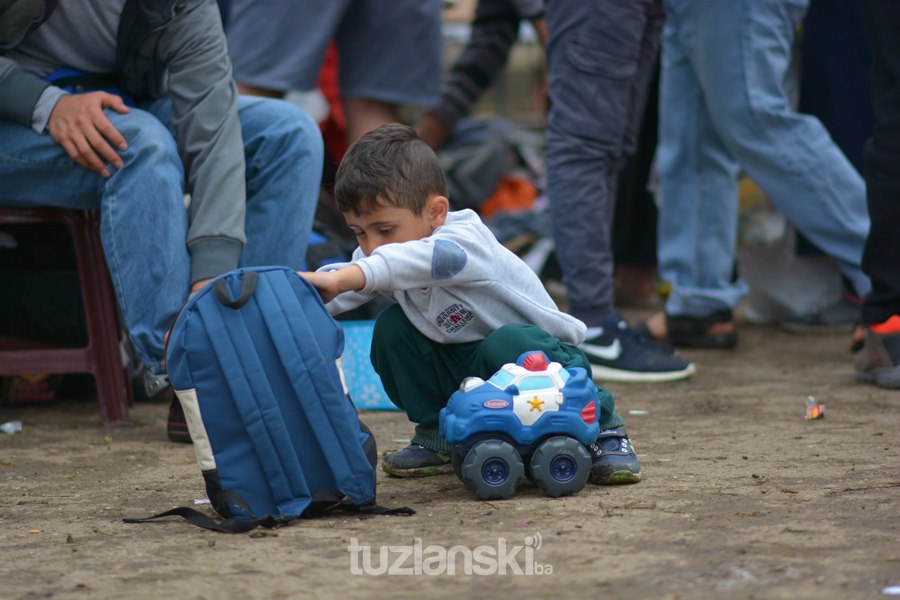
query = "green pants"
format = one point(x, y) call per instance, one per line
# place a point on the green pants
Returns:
point(420, 375)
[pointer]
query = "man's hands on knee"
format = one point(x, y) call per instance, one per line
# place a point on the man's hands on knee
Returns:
point(78, 124)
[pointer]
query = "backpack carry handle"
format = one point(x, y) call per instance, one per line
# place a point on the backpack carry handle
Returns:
point(248, 286)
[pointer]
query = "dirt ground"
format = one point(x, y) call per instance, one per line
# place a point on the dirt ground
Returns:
point(741, 498)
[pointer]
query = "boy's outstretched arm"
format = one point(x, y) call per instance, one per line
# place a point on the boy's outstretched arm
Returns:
point(331, 283)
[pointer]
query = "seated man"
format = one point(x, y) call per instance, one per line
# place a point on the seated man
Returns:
point(154, 114)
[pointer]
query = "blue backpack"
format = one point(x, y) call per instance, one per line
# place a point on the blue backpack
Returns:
point(252, 358)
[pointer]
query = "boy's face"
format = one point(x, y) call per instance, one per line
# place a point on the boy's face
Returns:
point(380, 224)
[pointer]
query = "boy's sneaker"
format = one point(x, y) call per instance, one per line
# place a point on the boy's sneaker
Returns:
point(614, 459)
point(416, 461)
point(878, 361)
point(176, 426)
point(620, 354)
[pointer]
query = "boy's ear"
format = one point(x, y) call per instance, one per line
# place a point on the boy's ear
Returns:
point(438, 207)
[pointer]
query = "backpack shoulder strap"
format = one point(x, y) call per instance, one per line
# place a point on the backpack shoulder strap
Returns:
point(253, 395)
point(308, 342)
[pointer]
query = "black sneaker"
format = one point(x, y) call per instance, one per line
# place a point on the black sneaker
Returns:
point(416, 461)
point(614, 459)
point(176, 426)
point(620, 354)
point(149, 387)
point(878, 361)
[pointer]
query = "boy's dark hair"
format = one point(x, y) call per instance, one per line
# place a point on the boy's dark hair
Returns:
point(389, 165)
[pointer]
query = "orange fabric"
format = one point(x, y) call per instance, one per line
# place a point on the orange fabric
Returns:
point(892, 325)
point(513, 194)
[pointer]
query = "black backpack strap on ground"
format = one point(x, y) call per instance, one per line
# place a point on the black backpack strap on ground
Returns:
point(365, 511)
point(205, 521)
point(316, 509)
point(377, 509)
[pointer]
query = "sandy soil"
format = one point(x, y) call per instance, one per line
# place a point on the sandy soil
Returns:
point(742, 498)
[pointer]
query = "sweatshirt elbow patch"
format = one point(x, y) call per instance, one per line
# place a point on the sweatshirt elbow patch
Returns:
point(448, 259)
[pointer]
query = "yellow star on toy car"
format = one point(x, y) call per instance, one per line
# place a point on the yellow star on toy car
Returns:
point(536, 404)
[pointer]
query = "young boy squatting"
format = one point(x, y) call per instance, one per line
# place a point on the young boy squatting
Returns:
point(465, 305)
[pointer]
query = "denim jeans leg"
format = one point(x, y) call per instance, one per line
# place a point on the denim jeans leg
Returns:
point(36, 171)
point(698, 189)
point(143, 220)
point(284, 153)
point(740, 53)
point(144, 227)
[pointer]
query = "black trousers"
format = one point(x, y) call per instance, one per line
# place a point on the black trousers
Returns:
point(881, 257)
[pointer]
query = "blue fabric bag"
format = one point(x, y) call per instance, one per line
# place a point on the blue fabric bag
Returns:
point(252, 358)
point(360, 377)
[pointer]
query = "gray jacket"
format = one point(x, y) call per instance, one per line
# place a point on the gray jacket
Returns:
point(160, 45)
point(458, 285)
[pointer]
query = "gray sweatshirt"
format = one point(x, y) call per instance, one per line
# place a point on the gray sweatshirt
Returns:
point(458, 285)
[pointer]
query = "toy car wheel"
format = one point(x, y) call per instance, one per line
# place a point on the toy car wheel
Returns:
point(492, 469)
point(560, 466)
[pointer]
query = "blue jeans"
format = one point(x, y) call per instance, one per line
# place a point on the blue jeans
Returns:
point(723, 106)
point(144, 223)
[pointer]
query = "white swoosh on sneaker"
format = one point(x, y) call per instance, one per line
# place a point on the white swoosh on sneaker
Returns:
point(611, 352)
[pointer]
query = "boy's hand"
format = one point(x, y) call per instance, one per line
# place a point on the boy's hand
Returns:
point(331, 283)
point(78, 124)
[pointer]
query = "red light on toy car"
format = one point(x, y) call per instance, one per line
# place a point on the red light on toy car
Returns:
point(535, 362)
point(589, 413)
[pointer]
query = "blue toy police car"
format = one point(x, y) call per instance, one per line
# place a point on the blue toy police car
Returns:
point(533, 418)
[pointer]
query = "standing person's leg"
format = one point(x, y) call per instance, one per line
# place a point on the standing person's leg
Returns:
point(390, 55)
point(641, 83)
point(143, 220)
point(836, 88)
point(879, 360)
point(881, 260)
point(836, 74)
point(789, 155)
point(635, 219)
point(589, 94)
point(698, 196)
point(641, 87)
point(284, 153)
point(599, 58)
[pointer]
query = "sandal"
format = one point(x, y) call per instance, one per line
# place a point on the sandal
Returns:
point(694, 332)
